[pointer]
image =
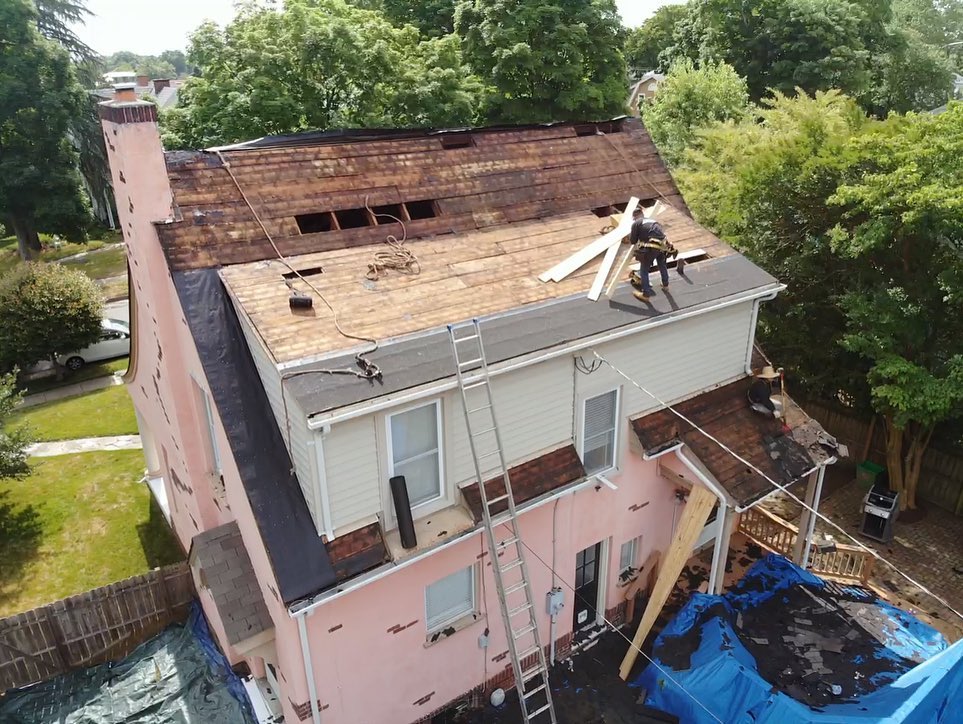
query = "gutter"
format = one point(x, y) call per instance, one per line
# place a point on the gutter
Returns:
point(319, 420)
point(302, 608)
point(752, 325)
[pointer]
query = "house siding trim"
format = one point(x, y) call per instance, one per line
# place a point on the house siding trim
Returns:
point(407, 397)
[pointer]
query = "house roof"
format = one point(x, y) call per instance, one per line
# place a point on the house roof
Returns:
point(226, 571)
point(725, 414)
point(459, 181)
point(530, 479)
point(470, 274)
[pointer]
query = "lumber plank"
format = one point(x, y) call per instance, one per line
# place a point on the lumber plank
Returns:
point(693, 520)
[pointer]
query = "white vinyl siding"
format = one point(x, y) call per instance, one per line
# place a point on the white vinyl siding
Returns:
point(415, 451)
point(675, 361)
point(599, 439)
point(534, 408)
point(449, 599)
point(352, 472)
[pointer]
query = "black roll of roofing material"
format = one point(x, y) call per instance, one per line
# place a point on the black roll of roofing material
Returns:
point(406, 524)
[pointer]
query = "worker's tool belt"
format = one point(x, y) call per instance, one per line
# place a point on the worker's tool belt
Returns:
point(665, 247)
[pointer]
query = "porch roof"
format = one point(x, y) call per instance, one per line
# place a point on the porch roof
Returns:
point(784, 453)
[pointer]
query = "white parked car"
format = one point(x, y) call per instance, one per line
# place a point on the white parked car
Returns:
point(114, 342)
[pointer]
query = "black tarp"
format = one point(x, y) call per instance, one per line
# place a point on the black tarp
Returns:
point(300, 561)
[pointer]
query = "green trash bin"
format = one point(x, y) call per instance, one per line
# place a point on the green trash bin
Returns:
point(867, 472)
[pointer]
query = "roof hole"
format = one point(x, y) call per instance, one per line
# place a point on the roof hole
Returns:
point(421, 210)
point(315, 223)
point(587, 129)
point(465, 140)
point(383, 214)
point(603, 212)
point(306, 272)
point(352, 218)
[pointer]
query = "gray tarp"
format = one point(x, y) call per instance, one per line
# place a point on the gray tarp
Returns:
point(178, 677)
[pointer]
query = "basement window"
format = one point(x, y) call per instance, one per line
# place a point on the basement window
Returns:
point(315, 223)
point(462, 140)
point(352, 218)
point(421, 209)
point(382, 214)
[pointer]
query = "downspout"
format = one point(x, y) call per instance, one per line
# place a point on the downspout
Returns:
point(811, 526)
point(752, 326)
point(308, 668)
point(717, 553)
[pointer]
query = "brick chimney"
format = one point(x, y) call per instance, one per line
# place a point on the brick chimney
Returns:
point(143, 81)
point(160, 83)
point(124, 93)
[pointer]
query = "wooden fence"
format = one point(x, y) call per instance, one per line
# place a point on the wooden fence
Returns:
point(93, 627)
point(941, 477)
point(847, 563)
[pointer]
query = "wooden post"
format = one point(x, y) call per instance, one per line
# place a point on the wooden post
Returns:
point(799, 546)
point(869, 439)
point(693, 520)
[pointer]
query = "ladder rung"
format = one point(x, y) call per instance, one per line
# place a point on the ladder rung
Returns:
point(479, 408)
point(515, 611)
point(489, 454)
point(507, 542)
point(534, 691)
point(535, 670)
point(466, 338)
point(468, 363)
point(483, 432)
point(524, 631)
point(540, 711)
point(515, 587)
point(514, 564)
point(499, 499)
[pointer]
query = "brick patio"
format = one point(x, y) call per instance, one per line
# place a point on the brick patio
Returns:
point(927, 549)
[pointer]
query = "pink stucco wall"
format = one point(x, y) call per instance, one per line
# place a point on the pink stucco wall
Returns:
point(366, 673)
point(160, 383)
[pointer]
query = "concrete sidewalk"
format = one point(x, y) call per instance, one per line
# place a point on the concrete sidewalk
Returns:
point(84, 444)
point(79, 388)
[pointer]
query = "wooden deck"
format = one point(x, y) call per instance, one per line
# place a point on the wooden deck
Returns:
point(461, 276)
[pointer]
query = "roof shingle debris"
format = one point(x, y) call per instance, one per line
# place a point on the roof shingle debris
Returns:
point(224, 568)
point(761, 440)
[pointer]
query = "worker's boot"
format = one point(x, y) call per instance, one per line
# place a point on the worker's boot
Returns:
point(635, 280)
point(641, 296)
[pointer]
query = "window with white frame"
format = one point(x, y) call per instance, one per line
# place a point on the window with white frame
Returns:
point(599, 432)
point(207, 412)
point(449, 599)
point(414, 443)
point(629, 553)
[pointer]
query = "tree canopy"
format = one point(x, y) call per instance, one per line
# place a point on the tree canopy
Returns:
point(690, 99)
point(40, 102)
point(887, 54)
point(862, 220)
point(644, 44)
point(13, 438)
point(46, 309)
point(545, 61)
point(317, 64)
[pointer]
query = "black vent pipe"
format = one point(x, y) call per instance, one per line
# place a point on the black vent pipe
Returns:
point(406, 524)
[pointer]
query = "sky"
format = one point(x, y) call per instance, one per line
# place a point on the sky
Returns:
point(148, 27)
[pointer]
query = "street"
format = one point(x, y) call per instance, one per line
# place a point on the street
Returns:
point(117, 310)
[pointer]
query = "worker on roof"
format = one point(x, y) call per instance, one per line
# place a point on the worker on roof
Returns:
point(651, 245)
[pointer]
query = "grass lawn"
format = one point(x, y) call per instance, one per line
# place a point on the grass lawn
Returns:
point(87, 372)
point(94, 414)
point(102, 264)
point(115, 288)
point(78, 522)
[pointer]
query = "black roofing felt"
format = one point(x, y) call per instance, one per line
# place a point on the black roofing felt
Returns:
point(416, 361)
point(298, 556)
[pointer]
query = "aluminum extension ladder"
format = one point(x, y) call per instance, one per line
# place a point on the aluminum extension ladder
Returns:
point(501, 525)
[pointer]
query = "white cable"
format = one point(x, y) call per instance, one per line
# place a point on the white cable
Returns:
point(783, 488)
point(619, 632)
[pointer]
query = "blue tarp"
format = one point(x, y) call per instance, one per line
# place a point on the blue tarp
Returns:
point(723, 675)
